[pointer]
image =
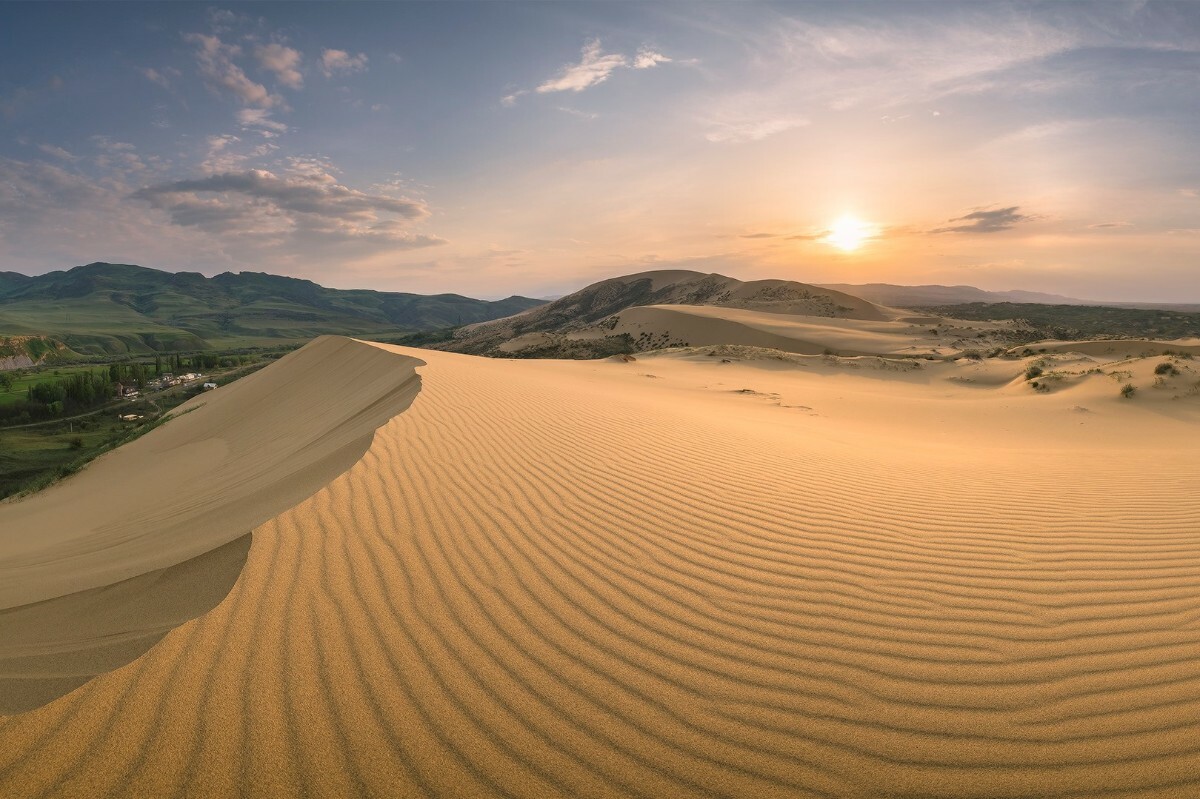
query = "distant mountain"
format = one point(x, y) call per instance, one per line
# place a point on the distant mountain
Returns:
point(910, 296)
point(928, 296)
point(593, 306)
point(110, 308)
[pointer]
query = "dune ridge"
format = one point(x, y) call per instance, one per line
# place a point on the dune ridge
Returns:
point(568, 579)
point(95, 570)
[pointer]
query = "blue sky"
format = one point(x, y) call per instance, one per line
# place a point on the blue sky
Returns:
point(502, 148)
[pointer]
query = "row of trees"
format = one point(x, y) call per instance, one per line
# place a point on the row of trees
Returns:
point(59, 396)
point(81, 391)
point(197, 363)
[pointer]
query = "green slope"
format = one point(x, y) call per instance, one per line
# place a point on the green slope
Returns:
point(113, 308)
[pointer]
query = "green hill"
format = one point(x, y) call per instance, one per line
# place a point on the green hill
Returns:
point(115, 308)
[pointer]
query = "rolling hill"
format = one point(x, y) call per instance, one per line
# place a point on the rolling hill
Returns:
point(584, 324)
point(106, 308)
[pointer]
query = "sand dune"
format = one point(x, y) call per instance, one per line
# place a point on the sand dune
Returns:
point(95, 570)
point(1118, 348)
point(684, 576)
point(704, 325)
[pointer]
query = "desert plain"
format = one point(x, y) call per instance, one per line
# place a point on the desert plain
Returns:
point(717, 570)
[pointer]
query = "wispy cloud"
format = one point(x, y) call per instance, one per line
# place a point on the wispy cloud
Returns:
point(283, 61)
point(340, 62)
point(57, 152)
point(740, 131)
point(259, 119)
point(575, 112)
point(162, 77)
point(647, 58)
point(593, 68)
point(215, 60)
point(985, 221)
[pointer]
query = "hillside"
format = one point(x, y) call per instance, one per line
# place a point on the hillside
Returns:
point(582, 324)
point(111, 308)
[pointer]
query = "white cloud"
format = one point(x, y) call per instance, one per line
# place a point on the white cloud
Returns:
point(340, 62)
point(283, 61)
point(647, 58)
point(593, 68)
point(259, 119)
point(215, 60)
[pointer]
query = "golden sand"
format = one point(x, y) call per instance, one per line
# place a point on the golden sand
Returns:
point(676, 576)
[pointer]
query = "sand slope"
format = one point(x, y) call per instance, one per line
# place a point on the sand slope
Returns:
point(1114, 349)
point(683, 577)
point(94, 570)
point(704, 325)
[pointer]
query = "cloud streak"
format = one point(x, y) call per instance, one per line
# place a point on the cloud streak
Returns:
point(594, 67)
point(985, 221)
point(308, 205)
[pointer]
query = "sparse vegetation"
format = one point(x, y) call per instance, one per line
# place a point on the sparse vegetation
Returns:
point(1128, 390)
point(1167, 369)
point(1033, 371)
point(1075, 322)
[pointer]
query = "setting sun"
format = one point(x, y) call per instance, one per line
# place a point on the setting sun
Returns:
point(848, 233)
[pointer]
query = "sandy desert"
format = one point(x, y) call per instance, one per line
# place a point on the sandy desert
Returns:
point(710, 571)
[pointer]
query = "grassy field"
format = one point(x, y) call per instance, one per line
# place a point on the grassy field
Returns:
point(29, 454)
point(22, 379)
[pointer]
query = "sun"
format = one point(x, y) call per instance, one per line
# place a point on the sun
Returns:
point(848, 233)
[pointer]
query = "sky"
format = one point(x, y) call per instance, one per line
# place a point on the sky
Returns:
point(532, 148)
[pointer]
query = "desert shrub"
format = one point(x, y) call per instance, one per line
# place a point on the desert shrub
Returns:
point(972, 355)
point(1128, 390)
point(1165, 369)
point(1032, 372)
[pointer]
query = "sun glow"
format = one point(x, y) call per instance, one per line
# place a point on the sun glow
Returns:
point(848, 233)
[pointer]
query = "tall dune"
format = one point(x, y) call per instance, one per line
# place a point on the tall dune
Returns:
point(95, 570)
point(685, 577)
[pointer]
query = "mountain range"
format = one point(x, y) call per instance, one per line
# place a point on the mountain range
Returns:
point(933, 295)
point(104, 308)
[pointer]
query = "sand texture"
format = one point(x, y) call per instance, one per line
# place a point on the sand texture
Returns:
point(730, 574)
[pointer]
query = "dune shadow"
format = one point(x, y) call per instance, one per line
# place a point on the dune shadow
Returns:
point(50, 648)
